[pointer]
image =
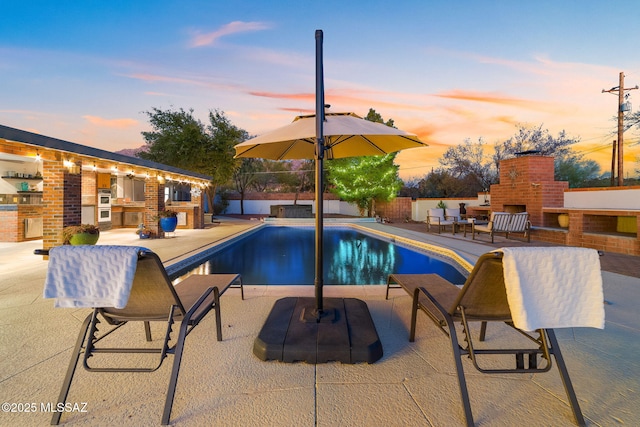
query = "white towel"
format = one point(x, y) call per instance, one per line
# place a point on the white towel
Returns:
point(91, 276)
point(556, 287)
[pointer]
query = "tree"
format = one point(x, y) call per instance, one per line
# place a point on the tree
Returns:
point(468, 163)
point(631, 120)
point(244, 176)
point(179, 139)
point(304, 174)
point(365, 180)
point(272, 175)
point(577, 171)
point(535, 138)
point(223, 137)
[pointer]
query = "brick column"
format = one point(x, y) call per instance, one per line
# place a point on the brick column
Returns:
point(153, 203)
point(198, 212)
point(576, 229)
point(62, 200)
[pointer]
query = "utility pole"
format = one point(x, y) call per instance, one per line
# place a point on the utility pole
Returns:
point(620, 89)
point(613, 165)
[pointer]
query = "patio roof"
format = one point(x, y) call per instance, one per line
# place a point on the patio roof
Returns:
point(21, 136)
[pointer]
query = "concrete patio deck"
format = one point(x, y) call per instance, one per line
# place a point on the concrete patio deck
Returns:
point(224, 384)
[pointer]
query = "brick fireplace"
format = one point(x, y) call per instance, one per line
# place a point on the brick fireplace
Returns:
point(527, 185)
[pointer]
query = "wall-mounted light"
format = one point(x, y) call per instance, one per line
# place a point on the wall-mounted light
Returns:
point(95, 167)
point(71, 167)
point(38, 158)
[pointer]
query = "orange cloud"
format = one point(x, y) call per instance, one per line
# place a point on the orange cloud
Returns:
point(425, 132)
point(234, 27)
point(300, 111)
point(510, 120)
point(339, 101)
point(111, 123)
point(492, 98)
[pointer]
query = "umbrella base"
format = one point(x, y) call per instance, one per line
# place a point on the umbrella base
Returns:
point(344, 332)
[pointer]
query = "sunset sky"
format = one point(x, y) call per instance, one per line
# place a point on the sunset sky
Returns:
point(87, 71)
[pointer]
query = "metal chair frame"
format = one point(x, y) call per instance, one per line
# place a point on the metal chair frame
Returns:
point(91, 333)
point(464, 312)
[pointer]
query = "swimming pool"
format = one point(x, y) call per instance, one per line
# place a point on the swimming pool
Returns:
point(280, 255)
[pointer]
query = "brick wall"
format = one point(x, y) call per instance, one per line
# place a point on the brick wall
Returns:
point(596, 229)
point(9, 223)
point(89, 188)
point(72, 181)
point(26, 212)
point(153, 203)
point(53, 205)
point(528, 181)
point(198, 212)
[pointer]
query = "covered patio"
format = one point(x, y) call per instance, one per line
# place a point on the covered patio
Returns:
point(47, 184)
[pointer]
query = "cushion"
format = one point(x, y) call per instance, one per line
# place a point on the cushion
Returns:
point(437, 212)
point(453, 214)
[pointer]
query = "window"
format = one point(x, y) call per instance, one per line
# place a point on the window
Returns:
point(131, 189)
point(177, 192)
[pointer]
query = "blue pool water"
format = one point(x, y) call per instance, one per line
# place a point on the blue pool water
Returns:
point(285, 256)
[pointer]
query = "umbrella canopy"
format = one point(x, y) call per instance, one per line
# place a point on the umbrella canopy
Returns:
point(345, 135)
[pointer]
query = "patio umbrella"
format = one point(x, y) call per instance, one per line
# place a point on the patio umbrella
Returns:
point(326, 136)
point(345, 135)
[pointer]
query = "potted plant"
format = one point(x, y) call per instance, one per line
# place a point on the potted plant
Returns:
point(144, 232)
point(168, 220)
point(83, 234)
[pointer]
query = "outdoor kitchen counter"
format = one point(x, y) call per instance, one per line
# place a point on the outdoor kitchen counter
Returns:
point(20, 222)
point(127, 215)
point(132, 215)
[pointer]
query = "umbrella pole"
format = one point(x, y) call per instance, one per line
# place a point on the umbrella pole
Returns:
point(318, 282)
point(294, 330)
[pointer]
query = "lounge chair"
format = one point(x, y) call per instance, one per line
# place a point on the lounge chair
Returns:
point(483, 299)
point(519, 223)
point(436, 218)
point(152, 298)
point(498, 223)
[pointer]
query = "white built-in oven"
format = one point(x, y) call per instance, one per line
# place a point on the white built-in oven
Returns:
point(104, 214)
point(104, 205)
point(104, 199)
